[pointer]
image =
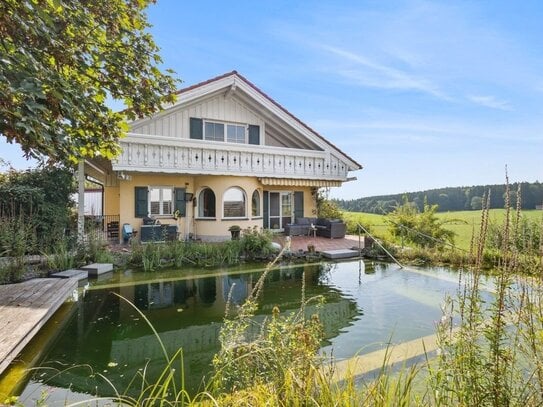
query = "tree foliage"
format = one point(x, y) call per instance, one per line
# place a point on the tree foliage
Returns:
point(325, 207)
point(42, 198)
point(60, 60)
point(449, 199)
point(420, 228)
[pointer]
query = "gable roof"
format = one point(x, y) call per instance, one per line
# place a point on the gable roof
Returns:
point(269, 99)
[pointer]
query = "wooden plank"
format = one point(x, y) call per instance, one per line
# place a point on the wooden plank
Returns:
point(25, 311)
point(23, 293)
point(23, 318)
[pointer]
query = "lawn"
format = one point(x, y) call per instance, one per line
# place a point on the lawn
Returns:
point(463, 223)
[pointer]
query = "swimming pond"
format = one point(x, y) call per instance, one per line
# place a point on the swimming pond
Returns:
point(366, 305)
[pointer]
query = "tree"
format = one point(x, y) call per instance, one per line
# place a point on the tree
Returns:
point(476, 203)
point(60, 60)
point(42, 197)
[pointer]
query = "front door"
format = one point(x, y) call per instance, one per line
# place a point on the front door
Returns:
point(280, 209)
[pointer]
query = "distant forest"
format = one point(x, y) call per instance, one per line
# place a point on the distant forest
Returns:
point(450, 199)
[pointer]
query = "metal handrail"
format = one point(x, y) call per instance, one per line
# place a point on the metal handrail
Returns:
point(360, 227)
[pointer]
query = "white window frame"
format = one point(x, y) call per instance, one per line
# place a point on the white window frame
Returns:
point(199, 203)
point(225, 131)
point(244, 203)
point(259, 213)
point(161, 188)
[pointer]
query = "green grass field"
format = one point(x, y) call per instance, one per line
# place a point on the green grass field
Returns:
point(463, 223)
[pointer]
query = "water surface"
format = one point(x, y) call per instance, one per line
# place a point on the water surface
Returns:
point(366, 306)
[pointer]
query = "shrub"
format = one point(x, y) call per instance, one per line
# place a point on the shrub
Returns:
point(256, 243)
point(421, 228)
point(43, 198)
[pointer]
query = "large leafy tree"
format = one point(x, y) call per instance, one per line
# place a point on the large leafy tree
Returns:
point(60, 61)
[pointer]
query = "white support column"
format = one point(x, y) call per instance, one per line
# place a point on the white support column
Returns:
point(81, 201)
point(188, 219)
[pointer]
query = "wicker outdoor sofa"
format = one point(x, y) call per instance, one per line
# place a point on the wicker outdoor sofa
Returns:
point(331, 228)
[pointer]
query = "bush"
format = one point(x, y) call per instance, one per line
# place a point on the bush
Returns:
point(256, 243)
point(420, 228)
point(43, 198)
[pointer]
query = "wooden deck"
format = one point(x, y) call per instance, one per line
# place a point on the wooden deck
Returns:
point(321, 243)
point(25, 308)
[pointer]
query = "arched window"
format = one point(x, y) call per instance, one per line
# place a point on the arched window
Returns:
point(234, 203)
point(255, 202)
point(206, 203)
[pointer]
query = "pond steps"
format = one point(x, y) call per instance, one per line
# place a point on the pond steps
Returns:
point(340, 254)
point(91, 271)
point(72, 273)
point(95, 269)
point(24, 308)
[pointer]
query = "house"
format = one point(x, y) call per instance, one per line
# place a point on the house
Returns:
point(224, 154)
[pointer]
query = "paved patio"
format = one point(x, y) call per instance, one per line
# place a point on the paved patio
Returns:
point(320, 243)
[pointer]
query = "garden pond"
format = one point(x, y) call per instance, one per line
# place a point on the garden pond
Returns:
point(367, 305)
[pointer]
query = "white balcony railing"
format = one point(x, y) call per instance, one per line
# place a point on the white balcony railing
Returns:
point(164, 154)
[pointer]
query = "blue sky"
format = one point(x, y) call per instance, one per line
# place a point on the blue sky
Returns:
point(422, 94)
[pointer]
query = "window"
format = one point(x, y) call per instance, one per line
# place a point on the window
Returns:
point(231, 133)
point(235, 133)
point(255, 202)
point(206, 204)
point(160, 200)
point(234, 203)
point(214, 131)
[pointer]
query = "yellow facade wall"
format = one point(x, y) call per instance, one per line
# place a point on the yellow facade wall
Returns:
point(120, 200)
point(127, 198)
point(111, 200)
point(218, 229)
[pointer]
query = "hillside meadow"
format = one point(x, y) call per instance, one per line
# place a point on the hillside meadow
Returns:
point(463, 223)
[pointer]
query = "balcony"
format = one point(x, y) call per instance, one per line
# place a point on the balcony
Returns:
point(172, 155)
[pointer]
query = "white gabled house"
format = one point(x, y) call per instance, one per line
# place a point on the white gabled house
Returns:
point(224, 154)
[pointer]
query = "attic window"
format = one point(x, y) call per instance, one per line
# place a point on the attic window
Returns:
point(238, 133)
point(214, 131)
point(231, 133)
point(235, 134)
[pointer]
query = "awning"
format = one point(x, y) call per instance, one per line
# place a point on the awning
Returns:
point(293, 182)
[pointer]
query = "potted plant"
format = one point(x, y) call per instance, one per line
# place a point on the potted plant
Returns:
point(234, 231)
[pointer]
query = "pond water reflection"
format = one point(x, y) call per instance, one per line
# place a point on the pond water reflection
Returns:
point(365, 303)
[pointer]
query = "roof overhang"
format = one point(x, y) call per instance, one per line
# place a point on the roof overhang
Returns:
point(233, 82)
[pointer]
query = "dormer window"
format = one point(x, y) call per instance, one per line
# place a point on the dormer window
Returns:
point(202, 129)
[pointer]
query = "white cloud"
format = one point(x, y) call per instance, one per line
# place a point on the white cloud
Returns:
point(490, 101)
point(370, 73)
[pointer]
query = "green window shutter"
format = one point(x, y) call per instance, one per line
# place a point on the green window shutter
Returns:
point(298, 205)
point(180, 204)
point(196, 128)
point(266, 211)
point(141, 205)
point(254, 134)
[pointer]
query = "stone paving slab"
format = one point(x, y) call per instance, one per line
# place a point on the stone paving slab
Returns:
point(340, 254)
point(95, 269)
